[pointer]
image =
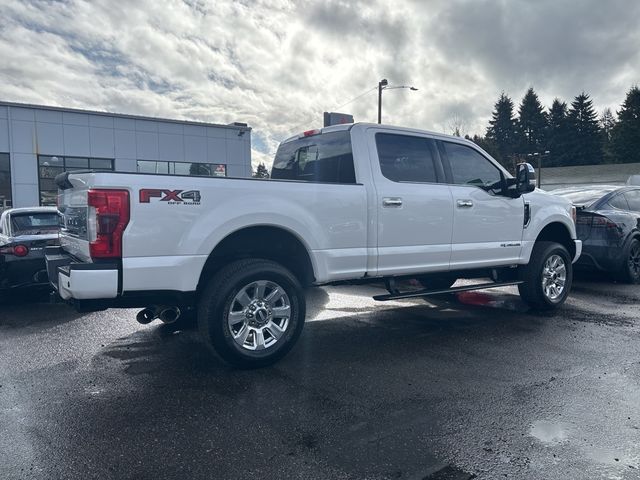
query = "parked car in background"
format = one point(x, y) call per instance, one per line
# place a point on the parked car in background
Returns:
point(608, 223)
point(24, 234)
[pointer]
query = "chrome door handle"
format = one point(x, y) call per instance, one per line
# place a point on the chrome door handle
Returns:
point(391, 202)
point(464, 203)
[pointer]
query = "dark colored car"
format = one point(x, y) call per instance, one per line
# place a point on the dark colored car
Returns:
point(608, 223)
point(24, 233)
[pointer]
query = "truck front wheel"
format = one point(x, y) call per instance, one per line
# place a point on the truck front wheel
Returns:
point(251, 313)
point(547, 278)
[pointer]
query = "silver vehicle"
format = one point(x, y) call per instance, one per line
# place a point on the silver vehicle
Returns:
point(24, 234)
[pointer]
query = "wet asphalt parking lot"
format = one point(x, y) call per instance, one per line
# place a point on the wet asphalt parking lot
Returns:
point(450, 388)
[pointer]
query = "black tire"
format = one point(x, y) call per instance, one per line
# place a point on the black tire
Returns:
point(630, 270)
point(532, 291)
point(437, 281)
point(218, 299)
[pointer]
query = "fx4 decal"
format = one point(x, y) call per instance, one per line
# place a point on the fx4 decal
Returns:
point(172, 197)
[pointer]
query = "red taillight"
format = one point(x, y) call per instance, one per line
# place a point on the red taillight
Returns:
point(112, 217)
point(18, 250)
point(603, 222)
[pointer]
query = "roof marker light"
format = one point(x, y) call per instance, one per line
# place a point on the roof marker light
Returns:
point(310, 133)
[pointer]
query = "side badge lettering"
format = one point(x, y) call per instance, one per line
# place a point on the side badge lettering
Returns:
point(171, 197)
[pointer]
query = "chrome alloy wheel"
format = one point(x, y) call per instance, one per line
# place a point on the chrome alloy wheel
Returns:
point(259, 315)
point(554, 277)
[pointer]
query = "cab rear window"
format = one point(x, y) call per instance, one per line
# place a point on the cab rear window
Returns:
point(325, 158)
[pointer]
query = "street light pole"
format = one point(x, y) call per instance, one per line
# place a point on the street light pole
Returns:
point(539, 156)
point(381, 84)
point(384, 85)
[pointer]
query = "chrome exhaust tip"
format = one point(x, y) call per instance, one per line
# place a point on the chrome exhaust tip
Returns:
point(41, 276)
point(146, 315)
point(169, 315)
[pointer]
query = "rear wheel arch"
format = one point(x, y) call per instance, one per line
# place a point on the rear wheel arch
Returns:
point(267, 242)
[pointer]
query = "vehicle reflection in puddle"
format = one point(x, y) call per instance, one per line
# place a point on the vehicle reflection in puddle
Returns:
point(493, 300)
point(549, 433)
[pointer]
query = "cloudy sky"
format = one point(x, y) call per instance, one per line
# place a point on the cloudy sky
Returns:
point(278, 64)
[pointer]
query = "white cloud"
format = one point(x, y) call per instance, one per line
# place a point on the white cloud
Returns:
point(277, 64)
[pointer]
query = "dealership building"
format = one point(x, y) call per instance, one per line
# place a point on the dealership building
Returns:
point(39, 142)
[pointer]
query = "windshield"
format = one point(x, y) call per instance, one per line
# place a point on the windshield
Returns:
point(34, 223)
point(584, 196)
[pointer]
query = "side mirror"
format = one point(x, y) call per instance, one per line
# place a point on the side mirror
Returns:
point(525, 178)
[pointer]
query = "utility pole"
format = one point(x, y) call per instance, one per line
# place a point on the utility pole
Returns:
point(381, 84)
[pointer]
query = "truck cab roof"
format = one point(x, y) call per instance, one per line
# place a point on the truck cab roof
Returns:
point(349, 126)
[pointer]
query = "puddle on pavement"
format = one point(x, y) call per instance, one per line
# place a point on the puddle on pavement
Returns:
point(549, 433)
point(554, 433)
point(610, 457)
point(450, 472)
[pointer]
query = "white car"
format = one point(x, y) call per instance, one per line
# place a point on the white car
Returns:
point(359, 202)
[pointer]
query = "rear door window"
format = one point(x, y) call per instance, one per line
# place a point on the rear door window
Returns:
point(619, 202)
point(323, 158)
point(633, 198)
point(405, 158)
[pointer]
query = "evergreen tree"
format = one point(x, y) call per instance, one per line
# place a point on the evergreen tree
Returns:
point(625, 135)
point(607, 122)
point(532, 124)
point(558, 138)
point(585, 147)
point(502, 130)
point(261, 171)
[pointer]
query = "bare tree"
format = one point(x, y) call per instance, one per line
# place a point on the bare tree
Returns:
point(457, 125)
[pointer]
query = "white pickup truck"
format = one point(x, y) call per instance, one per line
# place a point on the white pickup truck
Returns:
point(348, 203)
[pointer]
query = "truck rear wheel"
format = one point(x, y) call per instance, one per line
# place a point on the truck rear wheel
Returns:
point(547, 277)
point(251, 313)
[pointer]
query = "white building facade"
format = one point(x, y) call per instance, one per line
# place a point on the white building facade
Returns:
point(39, 142)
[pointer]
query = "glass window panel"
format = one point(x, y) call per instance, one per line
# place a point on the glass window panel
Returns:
point(404, 158)
point(101, 164)
point(219, 170)
point(145, 166)
point(75, 162)
point(48, 184)
point(50, 172)
point(320, 158)
point(633, 198)
point(201, 169)
point(34, 224)
point(180, 168)
point(162, 168)
point(51, 161)
point(52, 165)
point(5, 181)
point(48, 197)
point(468, 167)
point(619, 202)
